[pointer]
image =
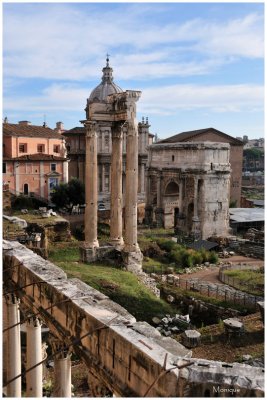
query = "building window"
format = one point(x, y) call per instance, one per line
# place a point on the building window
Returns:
point(22, 147)
point(172, 158)
point(40, 148)
point(56, 148)
point(4, 168)
point(53, 167)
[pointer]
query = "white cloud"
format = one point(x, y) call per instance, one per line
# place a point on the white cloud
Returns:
point(63, 41)
point(224, 98)
point(166, 100)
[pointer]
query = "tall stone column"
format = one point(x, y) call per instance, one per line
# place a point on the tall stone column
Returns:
point(34, 378)
point(103, 178)
point(62, 370)
point(131, 244)
point(148, 207)
point(14, 346)
point(116, 188)
point(196, 222)
point(159, 210)
point(91, 192)
point(142, 178)
point(133, 259)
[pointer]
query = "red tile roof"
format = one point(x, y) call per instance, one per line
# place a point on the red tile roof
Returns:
point(36, 157)
point(20, 130)
point(78, 130)
point(186, 136)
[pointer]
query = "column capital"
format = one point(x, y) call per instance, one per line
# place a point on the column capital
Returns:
point(59, 347)
point(117, 130)
point(12, 299)
point(91, 129)
point(131, 128)
point(34, 322)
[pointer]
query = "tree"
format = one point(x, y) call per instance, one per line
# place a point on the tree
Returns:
point(69, 194)
point(59, 196)
point(76, 192)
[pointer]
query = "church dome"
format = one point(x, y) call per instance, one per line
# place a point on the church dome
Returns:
point(106, 87)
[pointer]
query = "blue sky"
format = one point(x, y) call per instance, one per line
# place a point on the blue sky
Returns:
point(198, 65)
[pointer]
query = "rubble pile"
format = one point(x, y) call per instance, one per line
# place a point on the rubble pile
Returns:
point(168, 325)
point(254, 234)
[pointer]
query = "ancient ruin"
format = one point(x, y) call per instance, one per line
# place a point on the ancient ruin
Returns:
point(117, 110)
point(123, 356)
point(188, 188)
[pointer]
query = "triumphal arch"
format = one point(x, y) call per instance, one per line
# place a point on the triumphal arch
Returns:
point(117, 109)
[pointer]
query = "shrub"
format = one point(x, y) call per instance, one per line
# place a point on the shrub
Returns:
point(213, 257)
point(166, 245)
point(197, 258)
point(205, 255)
point(22, 202)
point(187, 260)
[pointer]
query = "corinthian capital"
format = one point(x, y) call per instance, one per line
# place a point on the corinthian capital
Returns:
point(91, 129)
point(117, 130)
point(131, 128)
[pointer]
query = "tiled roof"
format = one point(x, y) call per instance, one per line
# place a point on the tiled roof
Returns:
point(186, 136)
point(36, 157)
point(29, 131)
point(78, 130)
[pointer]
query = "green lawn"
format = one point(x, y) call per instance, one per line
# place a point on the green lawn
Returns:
point(121, 286)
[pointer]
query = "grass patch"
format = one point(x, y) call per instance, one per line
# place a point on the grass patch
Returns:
point(123, 287)
point(249, 281)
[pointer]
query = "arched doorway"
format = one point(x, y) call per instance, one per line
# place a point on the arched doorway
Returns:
point(26, 189)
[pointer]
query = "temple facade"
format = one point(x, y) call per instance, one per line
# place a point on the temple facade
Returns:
point(75, 143)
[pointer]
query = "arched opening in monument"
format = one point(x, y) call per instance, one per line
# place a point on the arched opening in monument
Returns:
point(26, 189)
point(172, 189)
point(190, 214)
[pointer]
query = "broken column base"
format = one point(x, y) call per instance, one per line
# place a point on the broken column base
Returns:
point(92, 254)
point(132, 260)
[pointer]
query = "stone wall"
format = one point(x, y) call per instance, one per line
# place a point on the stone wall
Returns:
point(127, 356)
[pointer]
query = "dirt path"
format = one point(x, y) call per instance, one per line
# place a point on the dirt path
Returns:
point(212, 274)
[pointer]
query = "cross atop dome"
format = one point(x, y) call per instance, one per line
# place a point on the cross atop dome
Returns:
point(107, 59)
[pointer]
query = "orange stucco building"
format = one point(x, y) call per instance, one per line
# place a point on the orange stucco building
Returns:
point(34, 159)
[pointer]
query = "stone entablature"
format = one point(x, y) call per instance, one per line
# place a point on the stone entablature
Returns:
point(188, 187)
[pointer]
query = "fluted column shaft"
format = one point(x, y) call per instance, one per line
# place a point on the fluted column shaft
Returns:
point(62, 369)
point(34, 378)
point(116, 187)
point(131, 244)
point(91, 192)
point(14, 347)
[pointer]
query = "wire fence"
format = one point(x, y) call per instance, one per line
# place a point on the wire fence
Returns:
point(238, 283)
point(212, 290)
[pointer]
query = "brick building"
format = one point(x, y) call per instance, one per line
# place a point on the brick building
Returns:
point(236, 154)
point(34, 159)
